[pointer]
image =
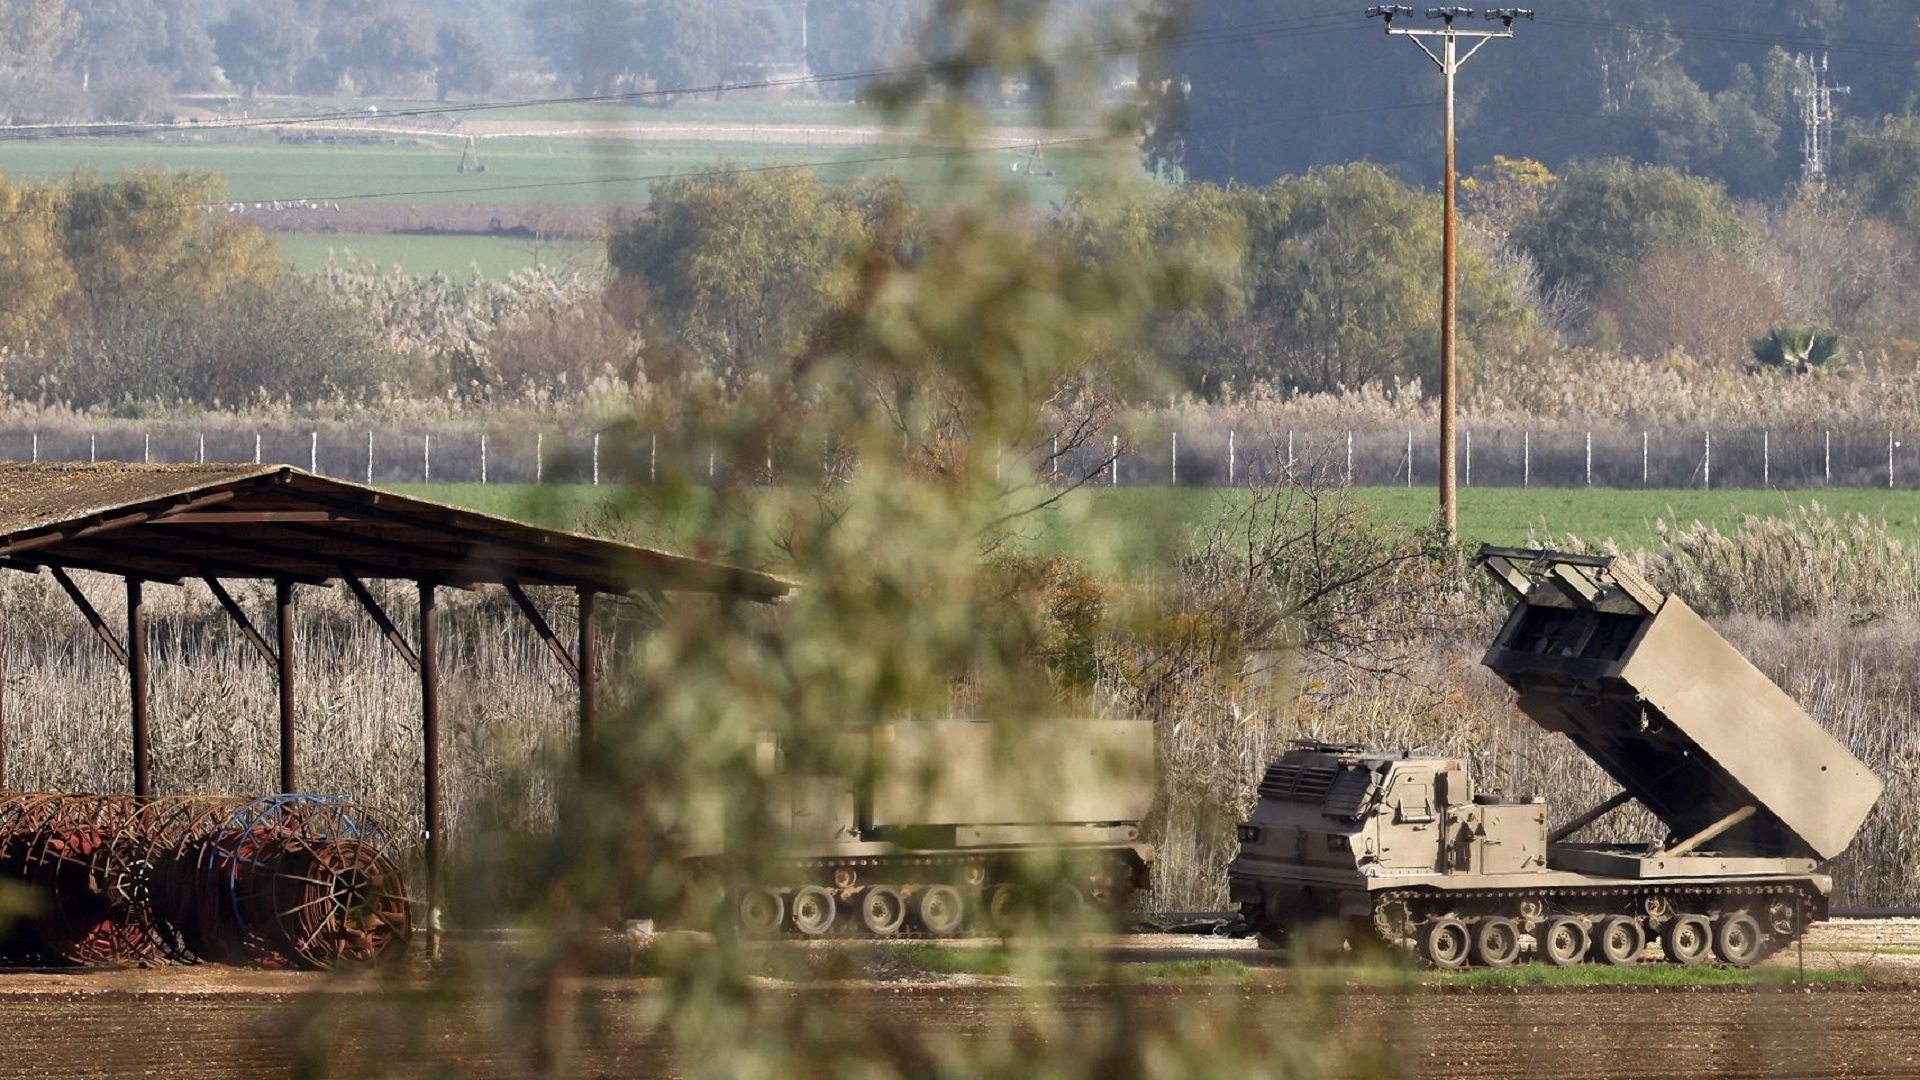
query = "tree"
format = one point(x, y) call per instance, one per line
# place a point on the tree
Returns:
point(1603, 218)
point(146, 234)
point(34, 275)
point(738, 266)
point(262, 45)
point(462, 63)
point(33, 33)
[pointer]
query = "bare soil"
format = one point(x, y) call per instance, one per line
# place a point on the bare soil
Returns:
point(221, 1022)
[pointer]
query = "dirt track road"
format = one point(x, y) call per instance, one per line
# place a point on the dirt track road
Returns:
point(219, 1023)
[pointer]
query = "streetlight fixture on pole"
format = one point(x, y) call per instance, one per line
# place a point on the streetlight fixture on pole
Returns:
point(1449, 60)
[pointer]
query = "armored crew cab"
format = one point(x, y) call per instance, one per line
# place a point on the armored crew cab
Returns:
point(1753, 795)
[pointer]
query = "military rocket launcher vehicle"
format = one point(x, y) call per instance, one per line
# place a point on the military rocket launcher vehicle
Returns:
point(1752, 793)
point(925, 836)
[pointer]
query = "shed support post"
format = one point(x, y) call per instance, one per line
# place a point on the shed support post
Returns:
point(283, 605)
point(430, 754)
point(588, 662)
point(137, 686)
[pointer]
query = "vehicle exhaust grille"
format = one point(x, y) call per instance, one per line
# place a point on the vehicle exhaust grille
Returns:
point(1305, 783)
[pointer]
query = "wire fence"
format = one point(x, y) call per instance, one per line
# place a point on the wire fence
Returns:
point(1850, 456)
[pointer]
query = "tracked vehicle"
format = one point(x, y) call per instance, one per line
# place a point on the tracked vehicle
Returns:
point(928, 838)
point(1753, 795)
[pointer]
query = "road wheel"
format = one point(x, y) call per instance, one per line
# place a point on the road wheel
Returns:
point(1496, 942)
point(941, 911)
point(760, 911)
point(1444, 944)
point(812, 910)
point(1737, 940)
point(1007, 908)
point(1620, 940)
point(882, 911)
point(1563, 942)
point(1688, 940)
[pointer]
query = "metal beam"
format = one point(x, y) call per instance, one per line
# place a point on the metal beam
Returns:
point(430, 751)
point(1619, 800)
point(540, 627)
point(283, 617)
point(137, 683)
point(93, 617)
point(1707, 834)
point(589, 663)
point(379, 614)
point(240, 619)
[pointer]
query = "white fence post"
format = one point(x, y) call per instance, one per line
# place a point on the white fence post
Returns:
point(1114, 478)
point(1589, 459)
point(200, 456)
point(36, 448)
point(1706, 465)
point(653, 458)
point(93, 449)
point(1290, 451)
point(539, 456)
point(1829, 469)
point(1766, 459)
point(1349, 455)
point(1469, 482)
point(369, 457)
point(711, 455)
point(1409, 459)
point(256, 448)
point(1176, 459)
point(1526, 459)
point(313, 452)
point(146, 448)
point(1230, 461)
point(1643, 459)
point(1890, 445)
point(426, 459)
point(596, 459)
point(483, 457)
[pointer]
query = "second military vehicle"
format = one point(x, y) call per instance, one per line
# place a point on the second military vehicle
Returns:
point(926, 832)
point(1753, 793)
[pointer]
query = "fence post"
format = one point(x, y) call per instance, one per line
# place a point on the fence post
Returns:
point(1829, 473)
point(1290, 453)
point(1469, 482)
point(1176, 459)
point(653, 458)
point(1409, 459)
point(711, 454)
point(1526, 459)
point(200, 457)
point(1114, 478)
point(1643, 459)
point(93, 448)
point(1890, 445)
point(256, 447)
point(1706, 465)
point(483, 457)
point(1766, 459)
point(596, 459)
point(426, 459)
point(36, 448)
point(369, 457)
point(313, 452)
point(539, 456)
point(1053, 463)
point(1230, 461)
point(146, 448)
point(1589, 459)
point(1349, 455)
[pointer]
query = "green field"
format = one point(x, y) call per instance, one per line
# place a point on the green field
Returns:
point(520, 171)
point(455, 256)
point(1143, 529)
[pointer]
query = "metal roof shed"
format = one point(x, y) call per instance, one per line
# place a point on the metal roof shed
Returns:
point(172, 523)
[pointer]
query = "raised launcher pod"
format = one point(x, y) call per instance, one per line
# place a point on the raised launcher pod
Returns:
point(1738, 772)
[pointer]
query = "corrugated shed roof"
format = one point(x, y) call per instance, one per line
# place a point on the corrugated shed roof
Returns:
point(171, 522)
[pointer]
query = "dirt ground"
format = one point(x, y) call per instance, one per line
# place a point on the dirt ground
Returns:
point(221, 1022)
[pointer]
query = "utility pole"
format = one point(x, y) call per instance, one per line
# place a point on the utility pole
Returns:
point(1449, 60)
point(1816, 116)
